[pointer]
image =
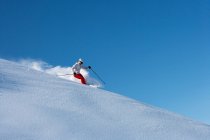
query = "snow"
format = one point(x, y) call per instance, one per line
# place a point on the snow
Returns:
point(38, 106)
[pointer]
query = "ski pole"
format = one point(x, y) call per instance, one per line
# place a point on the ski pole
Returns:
point(98, 76)
point(64, 74)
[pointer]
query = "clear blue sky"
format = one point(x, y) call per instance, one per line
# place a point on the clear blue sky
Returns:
point(155, 51)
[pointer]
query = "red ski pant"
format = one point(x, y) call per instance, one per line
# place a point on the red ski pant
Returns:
point(79, 76)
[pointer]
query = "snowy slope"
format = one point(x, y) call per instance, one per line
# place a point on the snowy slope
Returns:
point(38, 106)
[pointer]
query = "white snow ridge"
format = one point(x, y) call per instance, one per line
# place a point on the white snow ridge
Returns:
point(38, 106)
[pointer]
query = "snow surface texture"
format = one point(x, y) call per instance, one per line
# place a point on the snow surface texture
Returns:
point(61, 72)
point(38, 106)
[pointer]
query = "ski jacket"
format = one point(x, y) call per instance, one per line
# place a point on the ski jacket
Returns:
point(77, 67)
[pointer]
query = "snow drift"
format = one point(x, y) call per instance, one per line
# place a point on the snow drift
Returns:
point(38, 106)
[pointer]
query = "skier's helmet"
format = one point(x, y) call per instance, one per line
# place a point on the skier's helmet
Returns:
point(80, 60)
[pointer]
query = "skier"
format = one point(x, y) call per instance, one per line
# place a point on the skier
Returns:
point(76, 70)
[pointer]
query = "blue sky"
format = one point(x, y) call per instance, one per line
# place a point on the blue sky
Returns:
point(157, 52)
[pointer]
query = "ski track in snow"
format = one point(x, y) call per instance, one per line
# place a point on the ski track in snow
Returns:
point(38, 106)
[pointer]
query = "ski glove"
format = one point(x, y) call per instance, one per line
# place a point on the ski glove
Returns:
point(89, 67)
point(74, 73)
